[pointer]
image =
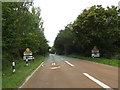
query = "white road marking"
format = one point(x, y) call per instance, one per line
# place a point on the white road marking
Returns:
point(69, 63)
point(53, 63)
point(42, 65)
point(55, 67)
point(31, 75)
point(98, 82)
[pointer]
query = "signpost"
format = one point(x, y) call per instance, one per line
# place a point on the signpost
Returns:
point(26, 62)
point(27, 55)
point(95, 52)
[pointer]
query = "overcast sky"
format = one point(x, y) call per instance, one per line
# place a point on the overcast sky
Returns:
point(56, 14)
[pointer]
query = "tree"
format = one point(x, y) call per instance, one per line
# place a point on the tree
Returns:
point(96, 26)
point(22, 28)
point(64, 41)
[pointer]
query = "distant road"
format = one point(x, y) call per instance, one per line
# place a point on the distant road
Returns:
point(65, 72)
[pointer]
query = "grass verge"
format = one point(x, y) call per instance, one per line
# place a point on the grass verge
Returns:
point(10, 80)
point(113, 62)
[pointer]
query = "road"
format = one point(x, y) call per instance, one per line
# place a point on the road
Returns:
point(65, 72)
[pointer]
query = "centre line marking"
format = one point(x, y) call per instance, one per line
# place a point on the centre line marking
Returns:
point(98, 82)
point(69, 63)
point(55, 67)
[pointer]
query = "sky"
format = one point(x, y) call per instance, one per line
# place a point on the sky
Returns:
point(56, 14)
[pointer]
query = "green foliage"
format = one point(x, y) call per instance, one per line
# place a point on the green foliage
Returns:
point(52, 50)
point(10, 80)
point(64, 41)
point(96, 26)
point(22, 28)
point(113, 62)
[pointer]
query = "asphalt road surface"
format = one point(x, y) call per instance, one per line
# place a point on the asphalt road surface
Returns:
point(65, 72)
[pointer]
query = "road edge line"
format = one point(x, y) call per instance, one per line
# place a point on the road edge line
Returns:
point(98, 82)
point(31, 75)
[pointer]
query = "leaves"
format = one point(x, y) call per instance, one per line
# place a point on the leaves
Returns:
point(96, 26)
point(22, 28)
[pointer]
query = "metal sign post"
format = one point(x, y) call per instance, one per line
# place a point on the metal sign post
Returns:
point(26, 62)
point(27, 55)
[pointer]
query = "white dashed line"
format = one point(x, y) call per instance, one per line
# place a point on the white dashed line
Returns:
point(55, 67)
point(69, 63)
point(31, 75)
point(98, 82)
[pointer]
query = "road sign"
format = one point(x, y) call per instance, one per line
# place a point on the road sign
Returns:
point(27, 49)
point(28, 55)
point(95, 52)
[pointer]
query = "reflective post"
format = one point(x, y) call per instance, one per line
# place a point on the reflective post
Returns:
point(13, 65)
point(26, 62)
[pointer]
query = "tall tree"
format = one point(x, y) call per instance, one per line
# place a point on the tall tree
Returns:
point(22, 27)
point(96, 26)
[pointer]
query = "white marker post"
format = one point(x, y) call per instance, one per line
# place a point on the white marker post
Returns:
point(13, 66)
point(33, 58)
point(26, 62)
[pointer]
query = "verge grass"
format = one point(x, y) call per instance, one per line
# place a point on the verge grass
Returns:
point(13, 80)
point(113, 62)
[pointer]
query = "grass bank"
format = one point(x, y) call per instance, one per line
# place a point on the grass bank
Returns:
point(10, 80)
point(113, 62)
